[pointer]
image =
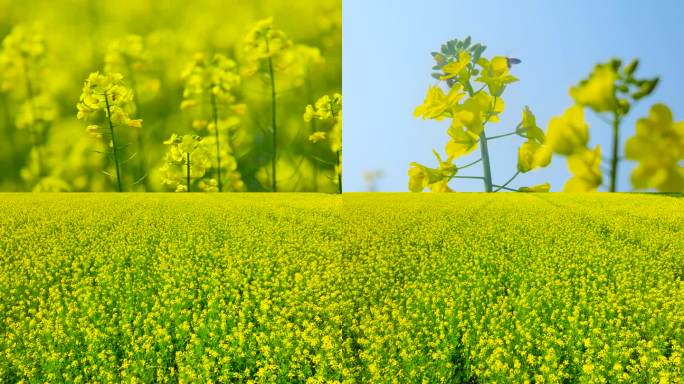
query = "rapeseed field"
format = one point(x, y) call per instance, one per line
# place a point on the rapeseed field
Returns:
point(308, 288)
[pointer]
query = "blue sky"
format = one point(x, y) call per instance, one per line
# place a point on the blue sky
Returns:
point(386, 72)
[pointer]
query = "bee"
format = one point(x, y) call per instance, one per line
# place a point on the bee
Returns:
point(512, 61)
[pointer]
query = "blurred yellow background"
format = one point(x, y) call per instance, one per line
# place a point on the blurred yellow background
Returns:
point(70, 39)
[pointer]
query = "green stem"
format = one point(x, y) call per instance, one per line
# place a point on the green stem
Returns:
point(487, 179)
point(467, 177)
point(470, 164)
point(614, 162)
point(142, 164)
point(214, 112)
point(30, 94)
point(506, 188)
point(274, 185)
point(500, 136)
point(116, 153)
point(322, 161)
point(469, 88)
point(500, 187)
point(8, 129)
point(187, 166)
point(485, 163)
point(312, 124)
point(339, 171)
point(486, 167)
point(479, 90)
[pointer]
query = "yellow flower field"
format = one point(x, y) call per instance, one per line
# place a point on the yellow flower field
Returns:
point(355, 288)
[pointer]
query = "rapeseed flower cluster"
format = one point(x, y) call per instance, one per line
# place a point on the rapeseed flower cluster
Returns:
point(213, 84)
point(106, 99)
point(328, 108)
point(458, 64)
point(186, 160)
point(267, 46)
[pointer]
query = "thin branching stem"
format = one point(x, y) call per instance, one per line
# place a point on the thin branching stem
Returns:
point(142, 164)
point(607, 159)
point(508, 182)
point(187, 167)
point(506, 188)
point(271, 72)
point(30, 95)
point(322, 161)
point(214, 111)
point(312, 122)
point(485, 152)
point(339, 171)
point(339, 151)
point(500, 136)
point(479, 90)
point(114, 147)
point(470, 164)
point(8, 126)
point(615, 160)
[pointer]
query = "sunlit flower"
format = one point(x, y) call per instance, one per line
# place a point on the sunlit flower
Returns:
point(495, 74)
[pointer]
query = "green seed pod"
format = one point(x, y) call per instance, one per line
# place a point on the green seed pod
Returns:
point(631, 67)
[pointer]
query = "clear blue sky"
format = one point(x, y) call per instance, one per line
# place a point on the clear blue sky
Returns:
point(386, 72)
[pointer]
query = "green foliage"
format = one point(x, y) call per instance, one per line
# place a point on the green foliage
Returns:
point(355, 288)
